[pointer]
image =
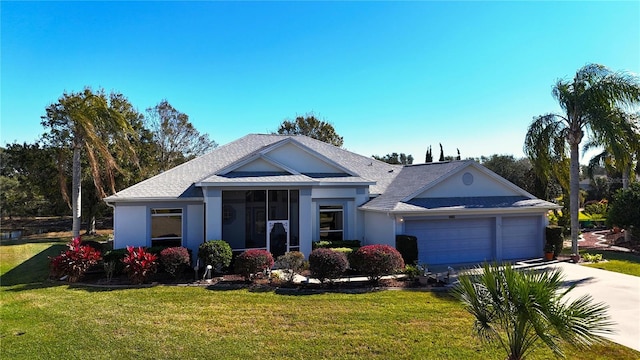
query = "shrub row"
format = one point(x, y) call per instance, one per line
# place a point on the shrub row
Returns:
point(374, 261)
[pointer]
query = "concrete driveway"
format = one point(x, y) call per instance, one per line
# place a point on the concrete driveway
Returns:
point(621, 292)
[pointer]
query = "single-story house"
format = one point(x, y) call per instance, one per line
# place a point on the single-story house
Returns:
point(281, 193)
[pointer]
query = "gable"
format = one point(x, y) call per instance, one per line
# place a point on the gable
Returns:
point(258, 165)
point(470, 182)
point(302, 161)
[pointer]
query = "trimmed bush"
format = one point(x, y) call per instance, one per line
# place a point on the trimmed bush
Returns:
point(115, 257)
point(252, 262)
point(174, 260)
point(353, 244)
point(375, 261)
point(555, 239)
point(75, 261)
point(216, 253)
point(139, 264)
point(291, 264)
point(407, 246)
point(326, 264)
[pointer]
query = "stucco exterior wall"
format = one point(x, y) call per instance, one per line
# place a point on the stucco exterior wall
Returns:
point(379, 228)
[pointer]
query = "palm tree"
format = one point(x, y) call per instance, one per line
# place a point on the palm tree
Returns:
point(590, 104)
point(85, 122)
point(517, 309)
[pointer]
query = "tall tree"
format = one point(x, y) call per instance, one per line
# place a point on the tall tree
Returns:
point(309, 125)
point(178, 139)
point(590, 104)
point(441, 153)
point(429, 156)
point(85, 123)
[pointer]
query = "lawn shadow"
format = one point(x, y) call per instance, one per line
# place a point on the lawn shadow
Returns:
point(32, 273)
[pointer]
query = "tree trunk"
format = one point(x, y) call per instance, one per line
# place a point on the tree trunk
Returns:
point(574, 193)
point(626, 172)
point(76, 202)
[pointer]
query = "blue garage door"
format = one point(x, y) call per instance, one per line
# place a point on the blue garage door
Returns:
point(521, 237)
point(453, 241)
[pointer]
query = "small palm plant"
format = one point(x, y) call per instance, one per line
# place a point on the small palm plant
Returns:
point(518, 308)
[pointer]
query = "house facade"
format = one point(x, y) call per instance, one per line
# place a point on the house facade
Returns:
point(281, 193)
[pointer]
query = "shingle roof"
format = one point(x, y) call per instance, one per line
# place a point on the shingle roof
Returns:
point(412, 179)
point(179, 182)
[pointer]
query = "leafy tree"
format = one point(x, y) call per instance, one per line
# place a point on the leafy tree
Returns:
point(591, 103)
point(518, 309)
point(518, 171)
point(395, 158)
point(86, 123)
point(624, 210)
point(178, 139)
point(312, 127)
point(33, 170)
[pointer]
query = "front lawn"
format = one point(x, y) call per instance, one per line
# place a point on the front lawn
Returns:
point(54, 320)
point(625, 263)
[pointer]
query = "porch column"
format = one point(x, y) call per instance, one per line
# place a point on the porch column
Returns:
point(213, 211)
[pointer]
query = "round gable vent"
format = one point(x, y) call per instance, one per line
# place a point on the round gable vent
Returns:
point(467, 178)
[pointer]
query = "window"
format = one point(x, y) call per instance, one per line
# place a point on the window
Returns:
point(331, 223)
point(166, 227)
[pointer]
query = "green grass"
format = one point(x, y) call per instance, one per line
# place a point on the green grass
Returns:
point(624, 263)
point(52, 320)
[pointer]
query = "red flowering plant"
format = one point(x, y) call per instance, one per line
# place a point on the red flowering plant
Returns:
point(74, 262)
point(139, 264)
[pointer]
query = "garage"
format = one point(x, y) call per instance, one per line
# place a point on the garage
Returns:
point(521, 238)
point(453, 241)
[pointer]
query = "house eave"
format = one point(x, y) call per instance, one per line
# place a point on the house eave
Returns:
point(456, 211)
point(152, 200)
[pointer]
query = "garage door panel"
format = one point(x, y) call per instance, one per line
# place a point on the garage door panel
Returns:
point(453, 241)
point(521, 237)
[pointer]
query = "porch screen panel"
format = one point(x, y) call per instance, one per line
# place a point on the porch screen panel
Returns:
point(233, 218)
point(256, 219)
point(278, 204)
point(294, 220)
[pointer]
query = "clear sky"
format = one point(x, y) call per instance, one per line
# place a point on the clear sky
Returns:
point(390, 76)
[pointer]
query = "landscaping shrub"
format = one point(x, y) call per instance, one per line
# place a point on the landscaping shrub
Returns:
point(554, 239)
point(353, 244)
point(252, 262)
point(115, 257)
point(412, 271)
point(139, 264)
point(291, 263)
point(326, 264)
point(75, 261)
point(216, 253)
point(407, 246)
point(174, 260)
point(94, 244)
point(375, 261)
point(592, 258)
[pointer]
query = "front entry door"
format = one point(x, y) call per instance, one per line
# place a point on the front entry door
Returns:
point(278, 237)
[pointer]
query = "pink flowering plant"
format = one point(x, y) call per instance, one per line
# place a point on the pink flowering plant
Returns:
point(139, 264)
point(74, 262)
point(174, 260)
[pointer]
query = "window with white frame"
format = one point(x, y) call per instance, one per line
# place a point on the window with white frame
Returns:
point(166, 227)
point(331, 222)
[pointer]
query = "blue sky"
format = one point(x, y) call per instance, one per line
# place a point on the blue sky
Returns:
point(390, 77)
